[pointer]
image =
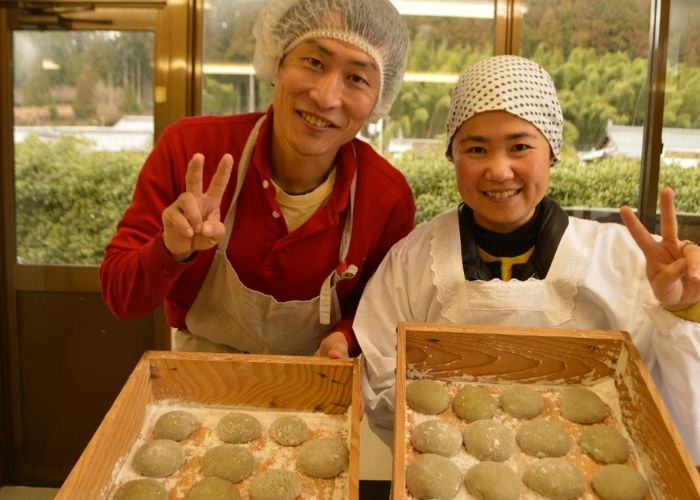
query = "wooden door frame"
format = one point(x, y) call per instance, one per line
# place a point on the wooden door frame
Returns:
point(174, 28)
point(6, 155)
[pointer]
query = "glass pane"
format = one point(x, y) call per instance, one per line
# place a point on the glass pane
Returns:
point(83, 112)
point(445, 36)
point(229, 84)
point(596, 52)
point(680, 160)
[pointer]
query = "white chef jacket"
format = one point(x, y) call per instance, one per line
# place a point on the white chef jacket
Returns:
point(596, 280)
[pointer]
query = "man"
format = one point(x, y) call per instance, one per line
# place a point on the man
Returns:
point(274, 258)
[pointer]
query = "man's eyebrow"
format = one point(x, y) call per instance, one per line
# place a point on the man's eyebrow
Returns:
point(364, 63)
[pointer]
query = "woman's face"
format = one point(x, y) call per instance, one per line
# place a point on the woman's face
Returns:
point(324, 92)
point(502, 165)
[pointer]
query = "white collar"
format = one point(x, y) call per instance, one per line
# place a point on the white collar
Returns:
point(553, 296)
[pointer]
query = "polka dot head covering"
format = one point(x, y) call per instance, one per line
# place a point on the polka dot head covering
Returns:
point(508, 83)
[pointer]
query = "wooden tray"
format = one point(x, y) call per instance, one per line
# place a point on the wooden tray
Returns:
point(239, 380)
point(491, 354)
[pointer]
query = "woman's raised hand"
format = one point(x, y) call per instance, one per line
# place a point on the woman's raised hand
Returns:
point(673, 265)
point(193, 221)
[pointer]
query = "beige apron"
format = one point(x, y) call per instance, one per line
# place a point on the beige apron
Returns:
point(227, 316)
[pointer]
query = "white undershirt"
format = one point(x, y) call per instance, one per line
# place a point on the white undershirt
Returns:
point(299, 208)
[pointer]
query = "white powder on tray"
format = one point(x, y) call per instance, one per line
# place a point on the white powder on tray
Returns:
point(519, 461)
point(267, 452)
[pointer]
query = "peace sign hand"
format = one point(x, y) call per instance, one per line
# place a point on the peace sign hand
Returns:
point(673, 266)
point(193, 221)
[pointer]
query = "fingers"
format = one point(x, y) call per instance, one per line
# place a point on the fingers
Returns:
point(213, 228)
point(195, 174)
point(691, 253)
point(182, 216)
point(181, 221)
point(339, 350)
point(180, 238)
point(639, 233)
point(188, 206)
point(202, 242)
point(335, 346)
point(177, 230)
point(669, 224)
point(192, 221)
point(666, 283)
point(193, 177)
point(221, 177)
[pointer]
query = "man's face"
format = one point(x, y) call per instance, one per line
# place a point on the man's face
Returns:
point(324, 92)
point(502, 166)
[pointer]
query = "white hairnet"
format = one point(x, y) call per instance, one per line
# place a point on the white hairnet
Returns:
point(508, 83)
point(373, 26)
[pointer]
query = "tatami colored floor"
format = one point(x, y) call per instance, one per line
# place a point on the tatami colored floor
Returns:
point(26, 493)
point(375, 465)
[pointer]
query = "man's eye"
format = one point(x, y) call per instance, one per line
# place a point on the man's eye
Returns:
point(358, 79)
point(312, 61)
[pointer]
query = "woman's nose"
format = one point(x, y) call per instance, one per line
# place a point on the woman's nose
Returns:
point(499, 168)
point(327, 92)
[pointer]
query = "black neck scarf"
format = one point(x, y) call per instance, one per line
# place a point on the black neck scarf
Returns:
point(543, 231)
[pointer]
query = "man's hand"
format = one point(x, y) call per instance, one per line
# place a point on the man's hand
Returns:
point(335, 345)
point(673, 265)
point(193, 222)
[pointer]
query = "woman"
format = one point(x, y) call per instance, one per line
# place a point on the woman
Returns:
point(509, 255)
point(274, 258)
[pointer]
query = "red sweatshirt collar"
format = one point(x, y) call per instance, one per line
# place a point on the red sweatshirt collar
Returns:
point(346, 163)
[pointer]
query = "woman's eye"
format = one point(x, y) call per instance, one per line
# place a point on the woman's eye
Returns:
point(521, 147)
point(476, 150)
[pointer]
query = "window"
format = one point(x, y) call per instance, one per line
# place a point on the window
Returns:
point(446, 36)
point(596, 52)
point(229, 84)
point(83, 125)
point(680, 158)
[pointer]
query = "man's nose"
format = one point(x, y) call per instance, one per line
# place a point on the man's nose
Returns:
point(328, 90)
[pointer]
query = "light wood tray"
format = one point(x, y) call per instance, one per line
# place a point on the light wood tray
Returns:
point(492, 354)
point(239, 380)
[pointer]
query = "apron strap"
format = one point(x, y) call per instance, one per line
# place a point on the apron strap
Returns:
point(347, 230)
point(242, 170)
point(342, 271)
